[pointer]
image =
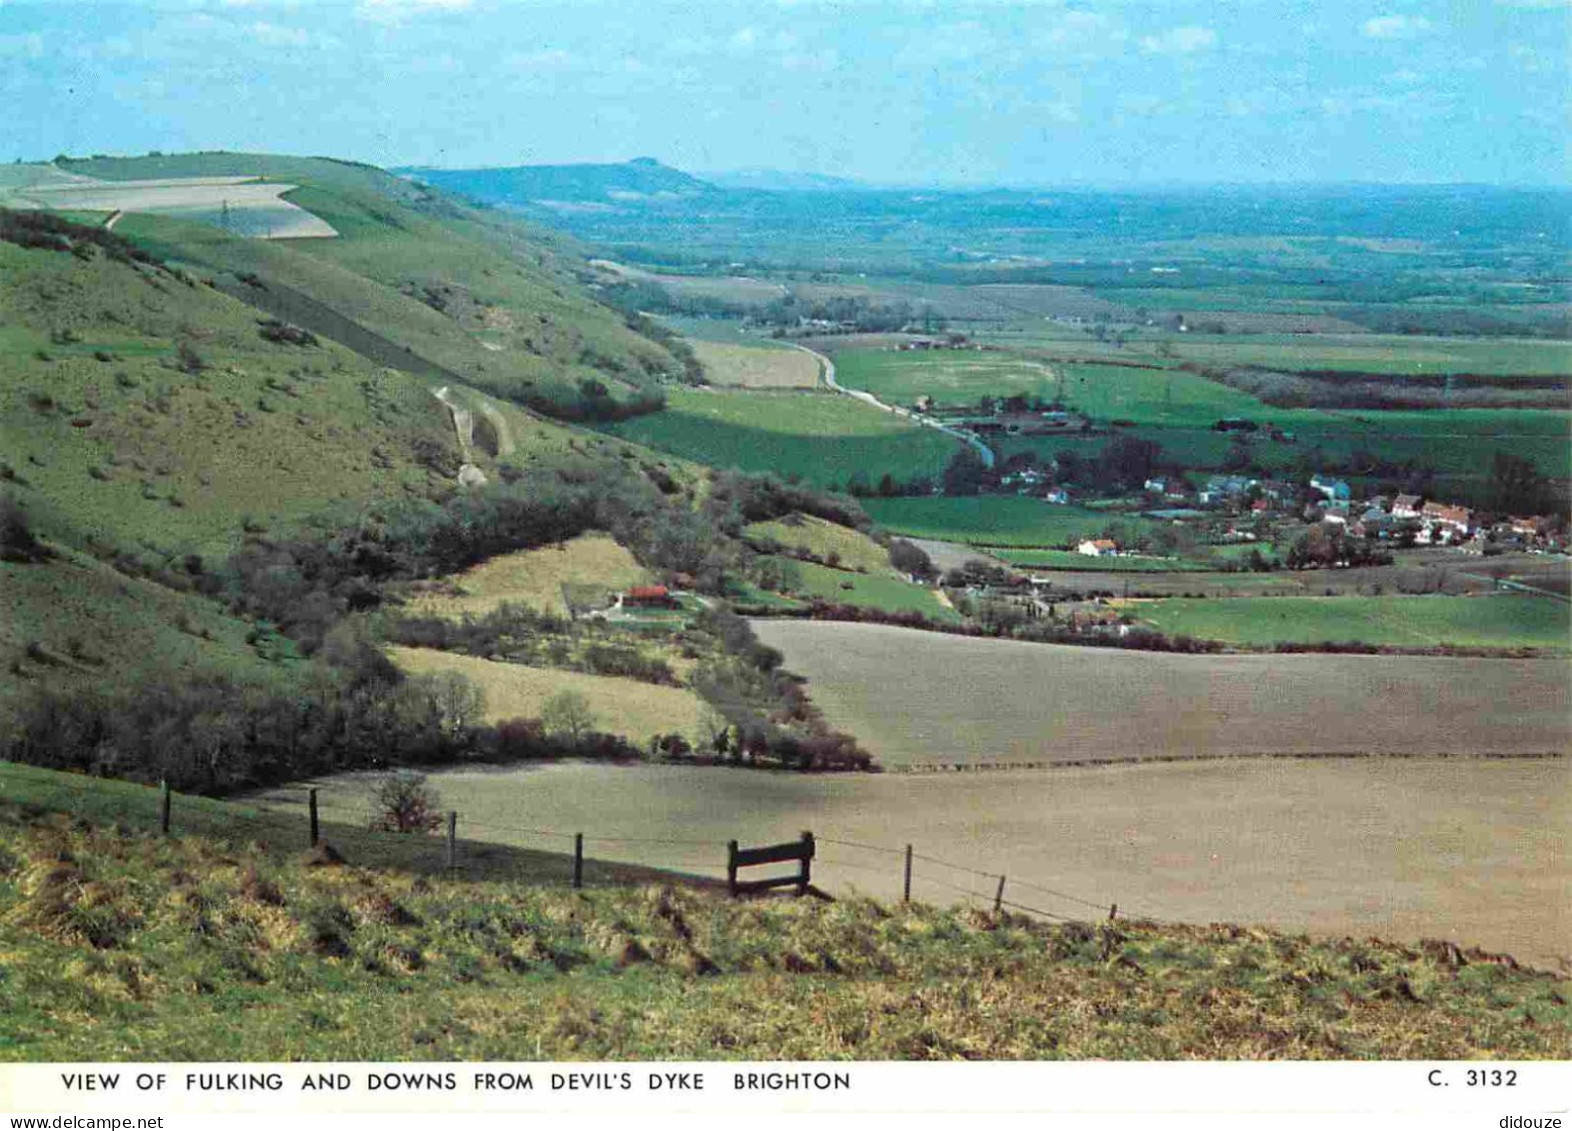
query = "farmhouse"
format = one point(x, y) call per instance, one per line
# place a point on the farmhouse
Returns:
point(1223, 487)
point(646, 597)
point(1334, 489)
point(1098, 548)
point(1406, 506)
point(1460, 519)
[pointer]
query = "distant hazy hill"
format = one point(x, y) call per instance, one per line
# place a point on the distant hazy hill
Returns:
point(641, 178)
point(778, 180)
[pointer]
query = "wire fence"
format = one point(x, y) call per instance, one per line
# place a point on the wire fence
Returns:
point(466, 846)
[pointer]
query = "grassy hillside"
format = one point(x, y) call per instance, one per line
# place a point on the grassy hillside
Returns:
point(836, 545)
point(150, 424)
point(76, 621)
point(120, 945)
point(147, 411)
point(494, 303)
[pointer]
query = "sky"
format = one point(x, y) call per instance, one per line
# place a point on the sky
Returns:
point(936, 92)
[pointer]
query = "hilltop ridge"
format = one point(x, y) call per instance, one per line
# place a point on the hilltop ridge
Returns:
point(643, 177)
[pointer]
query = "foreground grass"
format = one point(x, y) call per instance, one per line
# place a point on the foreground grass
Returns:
point(116, 944)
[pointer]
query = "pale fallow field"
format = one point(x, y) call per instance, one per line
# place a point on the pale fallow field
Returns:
point(1463, 849)
point(920, 699)
point(248, 206)
point(753, 367)
point(628, 707)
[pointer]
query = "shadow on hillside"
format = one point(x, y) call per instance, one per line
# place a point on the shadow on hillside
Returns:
point(282, 830)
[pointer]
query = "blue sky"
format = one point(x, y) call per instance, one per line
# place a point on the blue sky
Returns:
point(897, 91)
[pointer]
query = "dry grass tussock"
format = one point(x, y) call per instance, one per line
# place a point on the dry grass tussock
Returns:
point(116, 943)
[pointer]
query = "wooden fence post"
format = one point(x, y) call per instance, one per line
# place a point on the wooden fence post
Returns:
point(163, 819)
point(452, 839)
point(578, 860)
point(731, 867)
point(806, 876)
point(316, 828)
point(906, 889)
point(998, 897)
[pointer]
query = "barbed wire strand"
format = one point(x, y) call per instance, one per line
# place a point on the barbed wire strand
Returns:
point(271, 819)
point(864, 847)
point(956, 867)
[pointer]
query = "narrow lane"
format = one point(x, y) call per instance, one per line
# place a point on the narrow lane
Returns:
point(982, 449)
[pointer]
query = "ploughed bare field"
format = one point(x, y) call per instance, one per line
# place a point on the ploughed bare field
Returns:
point(1469, 850)
point(249, 206)
point(920, 699)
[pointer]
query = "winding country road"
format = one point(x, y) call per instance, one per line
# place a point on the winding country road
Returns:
point(982, 449)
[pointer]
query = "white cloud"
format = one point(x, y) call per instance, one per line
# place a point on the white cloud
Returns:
point(744, 38)
point(1076, 35)
point(273, 35)
point(29, 46)
point(1144, 105)
point(397, 11)
point(1180, 41)
point(546, 59)
point(1394, 27)
point(811, 62)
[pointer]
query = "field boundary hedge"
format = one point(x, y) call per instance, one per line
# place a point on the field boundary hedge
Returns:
point(1138, 639)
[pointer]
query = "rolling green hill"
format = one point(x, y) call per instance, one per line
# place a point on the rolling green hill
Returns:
point(641, 178)
point(151, 422)
point(485, 299)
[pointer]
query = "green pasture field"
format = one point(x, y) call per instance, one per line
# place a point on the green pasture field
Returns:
point(1508, 620)
point(948, 376)
point(1364, 353)
point(1177, 410)
point(723, 331)
point(1459, 444)
point(996, 520)
point(823, 438)
point(874, 591)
